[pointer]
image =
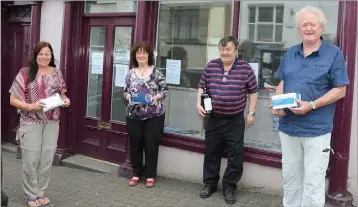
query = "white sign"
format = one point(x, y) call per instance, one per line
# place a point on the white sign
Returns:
point(122, 55)
point(97, 63)
point(173, 71)
point(121, 73)
point(255, 68)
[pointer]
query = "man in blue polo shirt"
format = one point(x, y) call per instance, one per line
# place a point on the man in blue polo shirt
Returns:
point(315, 69)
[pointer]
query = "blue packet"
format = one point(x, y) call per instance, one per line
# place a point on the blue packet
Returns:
point(141, 98)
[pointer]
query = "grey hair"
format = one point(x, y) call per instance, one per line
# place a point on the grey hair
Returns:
point(321, 17)
point(223, 42)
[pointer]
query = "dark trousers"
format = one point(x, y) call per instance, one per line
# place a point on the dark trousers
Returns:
point(145, 135)
point(221, 131)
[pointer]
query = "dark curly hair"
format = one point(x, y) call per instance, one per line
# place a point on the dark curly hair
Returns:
point(34, 67)
point(141, 46)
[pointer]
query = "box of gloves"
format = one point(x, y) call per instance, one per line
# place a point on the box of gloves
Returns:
point(286, 100)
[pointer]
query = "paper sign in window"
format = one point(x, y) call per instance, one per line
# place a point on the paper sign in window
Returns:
point(121, 73)
point(173, 68)
point(255, 68)
point(97, 63)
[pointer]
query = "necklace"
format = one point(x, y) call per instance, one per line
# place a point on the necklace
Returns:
point(143, 71)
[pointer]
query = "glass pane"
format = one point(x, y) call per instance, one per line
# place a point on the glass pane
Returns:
point(252, 14)
point(189, 32)
point(279, 14)
point(265, 14)
point(110, 6)
point(264, 33)
point(278, 33)
point(263, 134)
point(95, 72)
point(251, 32)
point(121, 55)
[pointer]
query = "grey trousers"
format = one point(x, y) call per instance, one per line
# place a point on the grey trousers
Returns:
point(38, 146)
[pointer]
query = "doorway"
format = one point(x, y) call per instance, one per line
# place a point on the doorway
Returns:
point(15, 39)
point(102, 132)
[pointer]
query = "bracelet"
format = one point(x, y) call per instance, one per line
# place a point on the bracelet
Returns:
point(313, 105)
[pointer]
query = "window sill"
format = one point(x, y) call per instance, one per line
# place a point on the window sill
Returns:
point(194, 144)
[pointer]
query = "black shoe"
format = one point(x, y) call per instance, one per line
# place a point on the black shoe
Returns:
point(229, 196)
point(208, 190)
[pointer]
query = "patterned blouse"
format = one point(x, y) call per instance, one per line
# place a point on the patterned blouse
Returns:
point(42, 87)
point(154, 84)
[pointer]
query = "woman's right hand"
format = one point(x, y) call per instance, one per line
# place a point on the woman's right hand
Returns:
point(37, 106)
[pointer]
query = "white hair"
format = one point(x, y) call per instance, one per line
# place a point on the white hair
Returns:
point(321, 17)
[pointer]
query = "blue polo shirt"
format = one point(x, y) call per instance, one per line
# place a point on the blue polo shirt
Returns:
point(312, 77)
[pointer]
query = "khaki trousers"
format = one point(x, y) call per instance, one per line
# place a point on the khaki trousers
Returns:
point(38, 146)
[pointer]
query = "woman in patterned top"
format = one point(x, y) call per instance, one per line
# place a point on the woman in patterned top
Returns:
point(38, 130)
point(145, 122)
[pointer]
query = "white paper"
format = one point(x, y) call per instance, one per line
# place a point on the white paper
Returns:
point(122, 55)
point(97, 63)
point(173, 70)
point(52, 102)
point(121, 73)
point(207, 104)
point(255, 68)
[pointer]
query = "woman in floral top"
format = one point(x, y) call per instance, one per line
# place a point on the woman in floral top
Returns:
point(38, 131)
point(145, 121)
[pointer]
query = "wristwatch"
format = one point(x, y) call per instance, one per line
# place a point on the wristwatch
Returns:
point(251, 113)
point(313, 105)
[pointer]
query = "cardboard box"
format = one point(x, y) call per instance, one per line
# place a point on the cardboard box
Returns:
point(285, 100)
point(141, 98)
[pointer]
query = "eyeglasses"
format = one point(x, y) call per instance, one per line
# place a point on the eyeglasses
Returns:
point(225, 74)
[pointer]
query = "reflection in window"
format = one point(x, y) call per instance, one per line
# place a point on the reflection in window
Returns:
point(107, 6)
point(265, 33)
point(190, 33)
point(121, 56)
point(95, 72)
point(265, 23)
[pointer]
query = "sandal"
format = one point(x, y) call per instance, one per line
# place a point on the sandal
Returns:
point(43, 200)
point(32, 202)
point(150, 183)
point(133, 181)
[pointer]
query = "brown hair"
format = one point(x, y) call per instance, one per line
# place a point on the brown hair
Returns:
point(34, 68)
point(141, 46)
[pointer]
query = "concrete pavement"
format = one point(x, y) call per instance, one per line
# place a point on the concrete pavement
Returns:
point(71, 187)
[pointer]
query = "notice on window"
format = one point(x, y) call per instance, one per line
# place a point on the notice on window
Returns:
point(121, 73)
point(255, 68)
point(97, 63)
point(122, 55)
point(173, 68)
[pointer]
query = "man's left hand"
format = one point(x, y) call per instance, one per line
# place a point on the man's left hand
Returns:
point(249, 120)
point(303, 109)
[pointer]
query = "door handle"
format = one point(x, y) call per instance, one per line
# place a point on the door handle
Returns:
point(104, 125)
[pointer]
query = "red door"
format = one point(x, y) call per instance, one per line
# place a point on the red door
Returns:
point(14, 55)
point(102, 130)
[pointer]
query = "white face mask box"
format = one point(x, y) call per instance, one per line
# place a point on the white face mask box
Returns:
point(287, 100)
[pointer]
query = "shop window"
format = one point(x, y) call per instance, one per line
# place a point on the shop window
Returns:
point(188, 33)
point(270, 32)
point(106, 6)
